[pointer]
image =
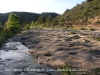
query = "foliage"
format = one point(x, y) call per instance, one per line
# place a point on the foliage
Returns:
point(92, 29)
point(72, 32)
point(80, 14)
point(27, 27)
point(41, 19)
point(4, 35)
point(0, 25)
point(97, 71)
point(49, 19)
point(88, 0)
point(25, 16)
point(70, 70)
point(13, 23)
point(82, 28)
point(96, 38)
point(97, 22)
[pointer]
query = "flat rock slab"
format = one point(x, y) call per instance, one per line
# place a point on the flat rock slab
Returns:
point(60, 44)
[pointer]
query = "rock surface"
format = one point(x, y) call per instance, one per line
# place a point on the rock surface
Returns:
point(57, 47)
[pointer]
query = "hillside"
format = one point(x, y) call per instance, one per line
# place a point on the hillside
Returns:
point(86, 13)
point(25, 16)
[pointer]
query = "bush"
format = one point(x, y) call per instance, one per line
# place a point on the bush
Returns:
point(72, 32)
point(27, 27)
point(82, 28)
point(4, 35)
point(97, 22)
point(97, 38)
point(92, 29)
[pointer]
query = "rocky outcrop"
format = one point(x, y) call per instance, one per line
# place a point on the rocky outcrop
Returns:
point(56, 48)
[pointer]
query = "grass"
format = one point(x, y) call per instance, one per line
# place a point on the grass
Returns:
point(72, 32)
point(83, 28)
point(76, 37)
point(92, 29)
point(70, 70)
point(97, 38)
point(97, 71)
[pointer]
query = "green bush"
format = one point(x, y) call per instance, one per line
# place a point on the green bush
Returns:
point(72, 32)
point(27, 27)
point(92, 29)
point(97, 38)
point(4, 35)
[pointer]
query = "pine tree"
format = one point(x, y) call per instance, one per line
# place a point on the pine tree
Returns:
point(49, 19)
point(41, 19)
point(1, 25)
point(13, 23)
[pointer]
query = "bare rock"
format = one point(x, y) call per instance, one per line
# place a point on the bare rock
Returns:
point(57, 62)
point(31, 51)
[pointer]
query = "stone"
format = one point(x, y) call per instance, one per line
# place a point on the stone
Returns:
point(31, 51)
point(58, 62)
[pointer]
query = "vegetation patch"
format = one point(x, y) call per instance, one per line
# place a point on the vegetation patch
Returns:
point(70, 70)
point(92, 29)
point(97, 38)
point(72, 32)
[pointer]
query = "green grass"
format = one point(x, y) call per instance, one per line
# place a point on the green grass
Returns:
point(67, 71)
point(83, 29)
point(97, 38)
point(72, 32)
point(97, 71)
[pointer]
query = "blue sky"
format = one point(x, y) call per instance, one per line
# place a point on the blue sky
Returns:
point(37, 6)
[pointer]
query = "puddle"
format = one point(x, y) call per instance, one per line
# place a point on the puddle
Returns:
point(20, 53)
point(15, 56)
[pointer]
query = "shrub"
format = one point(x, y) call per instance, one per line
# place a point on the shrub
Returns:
point(97, 38)
point(82, 28)
point(92, 29)
point(97, 22)
point(4, 35)
point(72, 32)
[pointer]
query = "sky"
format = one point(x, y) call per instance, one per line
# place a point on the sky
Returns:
point(37, 6)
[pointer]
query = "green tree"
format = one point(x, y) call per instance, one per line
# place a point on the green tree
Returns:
point(41, 19)
point(27, 26)
point(13, 23)
point(49, 19)
point(88, 0)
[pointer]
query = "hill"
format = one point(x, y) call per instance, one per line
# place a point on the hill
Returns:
point(25, 16)
point(86, 13)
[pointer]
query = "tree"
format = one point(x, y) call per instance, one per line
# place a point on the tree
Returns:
point(49, 19)
point(27, 26)
point(0, 25)
point(13, 23)
point(88, 0)
point(41, 19)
